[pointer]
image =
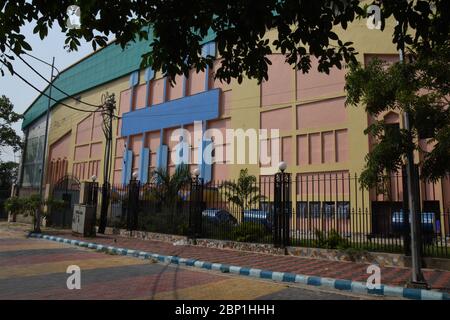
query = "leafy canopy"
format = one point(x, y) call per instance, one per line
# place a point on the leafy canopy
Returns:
point(304, 29)
point(420, 87)
point(8, 136)
point(8, 174)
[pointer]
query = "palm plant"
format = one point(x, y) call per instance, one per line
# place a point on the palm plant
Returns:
point(168, 187)
point(244, 193)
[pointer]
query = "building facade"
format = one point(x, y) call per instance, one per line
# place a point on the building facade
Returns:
point(161, 124)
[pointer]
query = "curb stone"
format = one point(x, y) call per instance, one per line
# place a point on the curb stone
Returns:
point(344, 285)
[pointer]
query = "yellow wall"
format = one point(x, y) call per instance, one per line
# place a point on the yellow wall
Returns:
point(64, 120)
point(245, 114)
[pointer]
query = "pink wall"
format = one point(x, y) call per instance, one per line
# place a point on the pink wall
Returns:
point(322, 147)
point(316, 84)
point(322, 183)
point(157, 91)
point(84, 131)
point(196, 82)
point(89, 129)
point(152, 162)
point(286, 154)
point(97, 131)
point(278, 88)
point(221, 125)
point(124, 105)
point(277, 119)
point(395, 185)
point(56, 170)
point(176, 91)
point(220, 172)
point(323, 113)
point(85, 170)
point(342, 145)
point(82, 153)
point(302, 150)
point(167, 138)
point(135, 146)
point(391, 118)
point(152, 140)
point(446, 193)
point(118, 160)
point(59, 153)
point(315, 154)
point(140, 97)
point(328, 147)
point(97, 150)
point(60, 149)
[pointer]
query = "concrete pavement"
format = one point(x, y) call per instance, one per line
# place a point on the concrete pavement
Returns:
point(35, 269)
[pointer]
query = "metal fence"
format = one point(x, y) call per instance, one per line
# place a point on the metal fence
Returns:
point(147, 207)
point(318, 210)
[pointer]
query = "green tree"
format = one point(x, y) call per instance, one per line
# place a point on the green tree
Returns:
point(8, 136)
point(420, 87)
point(244, 193)
point(304, 29)
point(13, 206)
point(8, 174)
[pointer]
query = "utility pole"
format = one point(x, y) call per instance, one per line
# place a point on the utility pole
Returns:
point(417, 278)
point(109, 106)
point(37, 226)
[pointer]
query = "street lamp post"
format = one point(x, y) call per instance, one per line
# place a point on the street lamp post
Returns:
point(417, 277)
point(195, 203)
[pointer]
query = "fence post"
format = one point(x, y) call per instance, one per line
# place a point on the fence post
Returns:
point(406, 229)
point(133, 204)
point(195, 207)
point(282, 212)
point(106, 188)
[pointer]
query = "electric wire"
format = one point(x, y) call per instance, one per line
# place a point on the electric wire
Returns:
point(46, 95)
point(54, 86)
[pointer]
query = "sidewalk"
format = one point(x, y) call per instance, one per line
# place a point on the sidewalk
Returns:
point(439, 280)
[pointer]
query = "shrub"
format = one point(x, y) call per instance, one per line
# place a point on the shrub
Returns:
point(332, 240)
point(29, 205)
point(250, 232)
point(14, 205)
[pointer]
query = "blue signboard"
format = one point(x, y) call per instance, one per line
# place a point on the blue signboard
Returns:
point(199, 107)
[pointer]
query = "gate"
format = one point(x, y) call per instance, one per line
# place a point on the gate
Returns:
point(68, 190)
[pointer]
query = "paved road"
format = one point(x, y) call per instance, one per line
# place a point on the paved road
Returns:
point(36, 269)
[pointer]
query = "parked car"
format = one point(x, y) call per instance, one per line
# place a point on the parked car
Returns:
point(259, 216)
point(219, 215)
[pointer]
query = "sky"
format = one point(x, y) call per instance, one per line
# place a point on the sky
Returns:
point(20, 94)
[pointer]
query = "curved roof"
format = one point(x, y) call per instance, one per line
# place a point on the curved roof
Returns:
point(102, 66)
point(98, 68)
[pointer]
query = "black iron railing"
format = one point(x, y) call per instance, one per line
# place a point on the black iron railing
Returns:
point(326, 210)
